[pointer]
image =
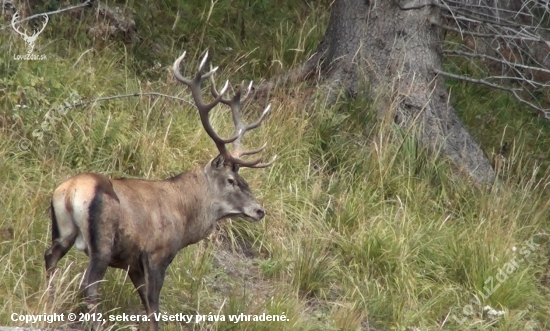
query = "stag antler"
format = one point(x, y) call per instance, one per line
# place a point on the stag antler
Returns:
point(235, 105)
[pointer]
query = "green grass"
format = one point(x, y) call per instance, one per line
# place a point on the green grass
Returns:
point(364, 226)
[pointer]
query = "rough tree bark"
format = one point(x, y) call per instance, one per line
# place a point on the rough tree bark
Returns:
point(398, 52)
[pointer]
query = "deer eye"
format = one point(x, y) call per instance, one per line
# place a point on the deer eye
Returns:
point(231, 181)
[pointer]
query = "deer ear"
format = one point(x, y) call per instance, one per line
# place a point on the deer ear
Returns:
point(217, 163)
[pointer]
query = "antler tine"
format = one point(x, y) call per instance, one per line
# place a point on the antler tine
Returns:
point(253, 151)
point(235, 106)
point(203, 61)
point(217, 94)
point(256, 163)
point(176, 70)
point(204, 108)
point(245, 128)
point(234, 103)
point(260, 120)
point(248, 89)
point(265, 165)
point(240, 128)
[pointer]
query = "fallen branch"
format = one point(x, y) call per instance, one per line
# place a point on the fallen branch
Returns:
point(117, 21)
point(538, 110)
point(521, 80)
point(488, 57)
point(463, 31)
point(84, 4)
point(122, 96)
point(429, 3)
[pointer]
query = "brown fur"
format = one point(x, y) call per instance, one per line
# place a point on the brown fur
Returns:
point(140, 225)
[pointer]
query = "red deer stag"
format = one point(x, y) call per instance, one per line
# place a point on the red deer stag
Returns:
point(139, 225)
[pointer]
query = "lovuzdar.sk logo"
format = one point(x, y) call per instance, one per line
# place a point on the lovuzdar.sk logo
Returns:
point(29, 39)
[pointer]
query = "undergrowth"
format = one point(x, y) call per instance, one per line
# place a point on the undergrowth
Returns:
point(365, 230)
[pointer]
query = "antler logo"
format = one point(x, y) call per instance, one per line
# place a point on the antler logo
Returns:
point(28, 39)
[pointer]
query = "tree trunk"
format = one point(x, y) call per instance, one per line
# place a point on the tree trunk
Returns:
point(397, 52)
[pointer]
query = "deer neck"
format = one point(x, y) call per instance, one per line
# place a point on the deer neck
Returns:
point(196, 205)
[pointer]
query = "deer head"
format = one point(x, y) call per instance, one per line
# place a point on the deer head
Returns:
point(230, 190)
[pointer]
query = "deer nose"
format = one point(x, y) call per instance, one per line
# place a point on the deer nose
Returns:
point(260, 212)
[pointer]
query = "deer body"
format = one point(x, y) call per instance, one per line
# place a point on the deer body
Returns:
point(140, 225)
point(157, 218)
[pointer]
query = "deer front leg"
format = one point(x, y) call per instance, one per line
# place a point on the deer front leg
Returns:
point(155, 279)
